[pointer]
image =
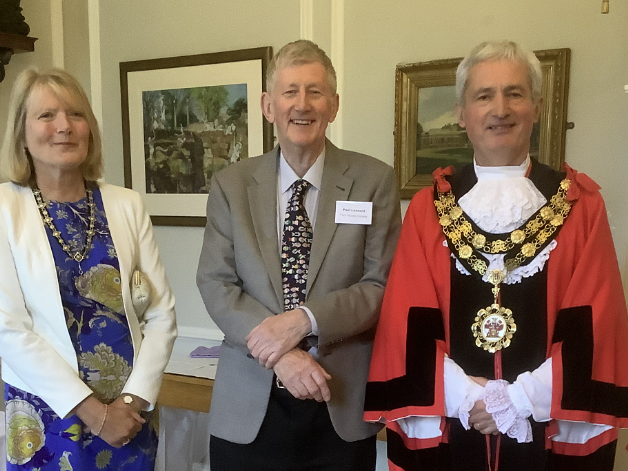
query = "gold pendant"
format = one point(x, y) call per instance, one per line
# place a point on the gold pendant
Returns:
point(494, 326)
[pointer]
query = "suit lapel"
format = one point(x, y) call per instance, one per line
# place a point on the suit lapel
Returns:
point(335, 186)
point(262, 194)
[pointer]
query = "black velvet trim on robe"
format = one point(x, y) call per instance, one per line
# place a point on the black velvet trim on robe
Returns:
point(574, 328)
point(416, 387)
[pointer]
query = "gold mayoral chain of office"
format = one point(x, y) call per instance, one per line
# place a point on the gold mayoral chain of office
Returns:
point(494, 326)
point(78, 256)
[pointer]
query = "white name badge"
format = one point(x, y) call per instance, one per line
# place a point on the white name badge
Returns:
point(354, 212)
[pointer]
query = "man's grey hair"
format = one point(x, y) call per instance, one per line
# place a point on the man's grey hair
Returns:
point(298, 53)
point(494, 51)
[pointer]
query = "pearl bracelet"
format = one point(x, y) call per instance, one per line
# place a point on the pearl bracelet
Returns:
point(102, 424)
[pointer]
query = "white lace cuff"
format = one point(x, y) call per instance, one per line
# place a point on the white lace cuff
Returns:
point(498, 403)
point(475, 394)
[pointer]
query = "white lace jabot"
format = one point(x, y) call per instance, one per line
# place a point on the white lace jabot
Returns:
point(501, 201)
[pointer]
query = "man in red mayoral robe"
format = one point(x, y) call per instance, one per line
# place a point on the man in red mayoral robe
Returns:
point(503, 337)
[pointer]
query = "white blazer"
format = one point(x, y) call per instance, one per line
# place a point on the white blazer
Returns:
point(35, 346)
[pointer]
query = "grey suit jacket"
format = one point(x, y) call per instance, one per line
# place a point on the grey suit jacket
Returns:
point(239, 277)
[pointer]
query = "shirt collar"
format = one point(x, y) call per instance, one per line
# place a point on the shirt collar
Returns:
point(314, 175)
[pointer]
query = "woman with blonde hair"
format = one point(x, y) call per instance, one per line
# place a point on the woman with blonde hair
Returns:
point(81, 361)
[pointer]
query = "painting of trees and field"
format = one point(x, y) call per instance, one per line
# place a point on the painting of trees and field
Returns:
point(191, 133)
point(440, 141)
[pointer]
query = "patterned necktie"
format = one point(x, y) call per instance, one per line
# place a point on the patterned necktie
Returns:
point(296, 244)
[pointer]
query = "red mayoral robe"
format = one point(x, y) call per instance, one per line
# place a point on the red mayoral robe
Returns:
point(584, 330)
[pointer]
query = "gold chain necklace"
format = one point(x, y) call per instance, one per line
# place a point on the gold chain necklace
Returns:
point(494, 326)
point(45, 216)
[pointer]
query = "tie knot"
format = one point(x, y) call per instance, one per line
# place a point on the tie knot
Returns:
point(299, 188)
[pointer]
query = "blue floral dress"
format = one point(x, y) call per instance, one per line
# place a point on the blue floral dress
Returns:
point(37, 438)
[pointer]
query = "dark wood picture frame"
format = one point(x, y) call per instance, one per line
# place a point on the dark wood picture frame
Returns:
point(188, 72)
point(411, 78)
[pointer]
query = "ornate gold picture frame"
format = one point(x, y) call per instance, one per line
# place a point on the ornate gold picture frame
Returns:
point(425, 98)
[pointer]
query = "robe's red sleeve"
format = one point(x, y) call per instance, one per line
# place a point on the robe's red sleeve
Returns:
point(407, 379)
point(587, 317)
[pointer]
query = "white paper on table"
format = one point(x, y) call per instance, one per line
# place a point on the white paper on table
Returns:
point(180, 362)
point(199, 367)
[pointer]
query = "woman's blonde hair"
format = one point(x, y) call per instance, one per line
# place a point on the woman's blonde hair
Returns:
point(15, 161)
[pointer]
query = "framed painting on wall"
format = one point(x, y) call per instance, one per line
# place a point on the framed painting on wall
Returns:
point(427, 134)
point(184, 119)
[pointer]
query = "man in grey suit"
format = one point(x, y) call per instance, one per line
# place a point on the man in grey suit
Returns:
point(289, 391)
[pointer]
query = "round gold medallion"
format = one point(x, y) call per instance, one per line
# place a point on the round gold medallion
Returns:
point(517, 236)
point(547, 213)
point(478, 241)
point(465, 251)
point(455, 212)
point(528, 249)
point(493, 328)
